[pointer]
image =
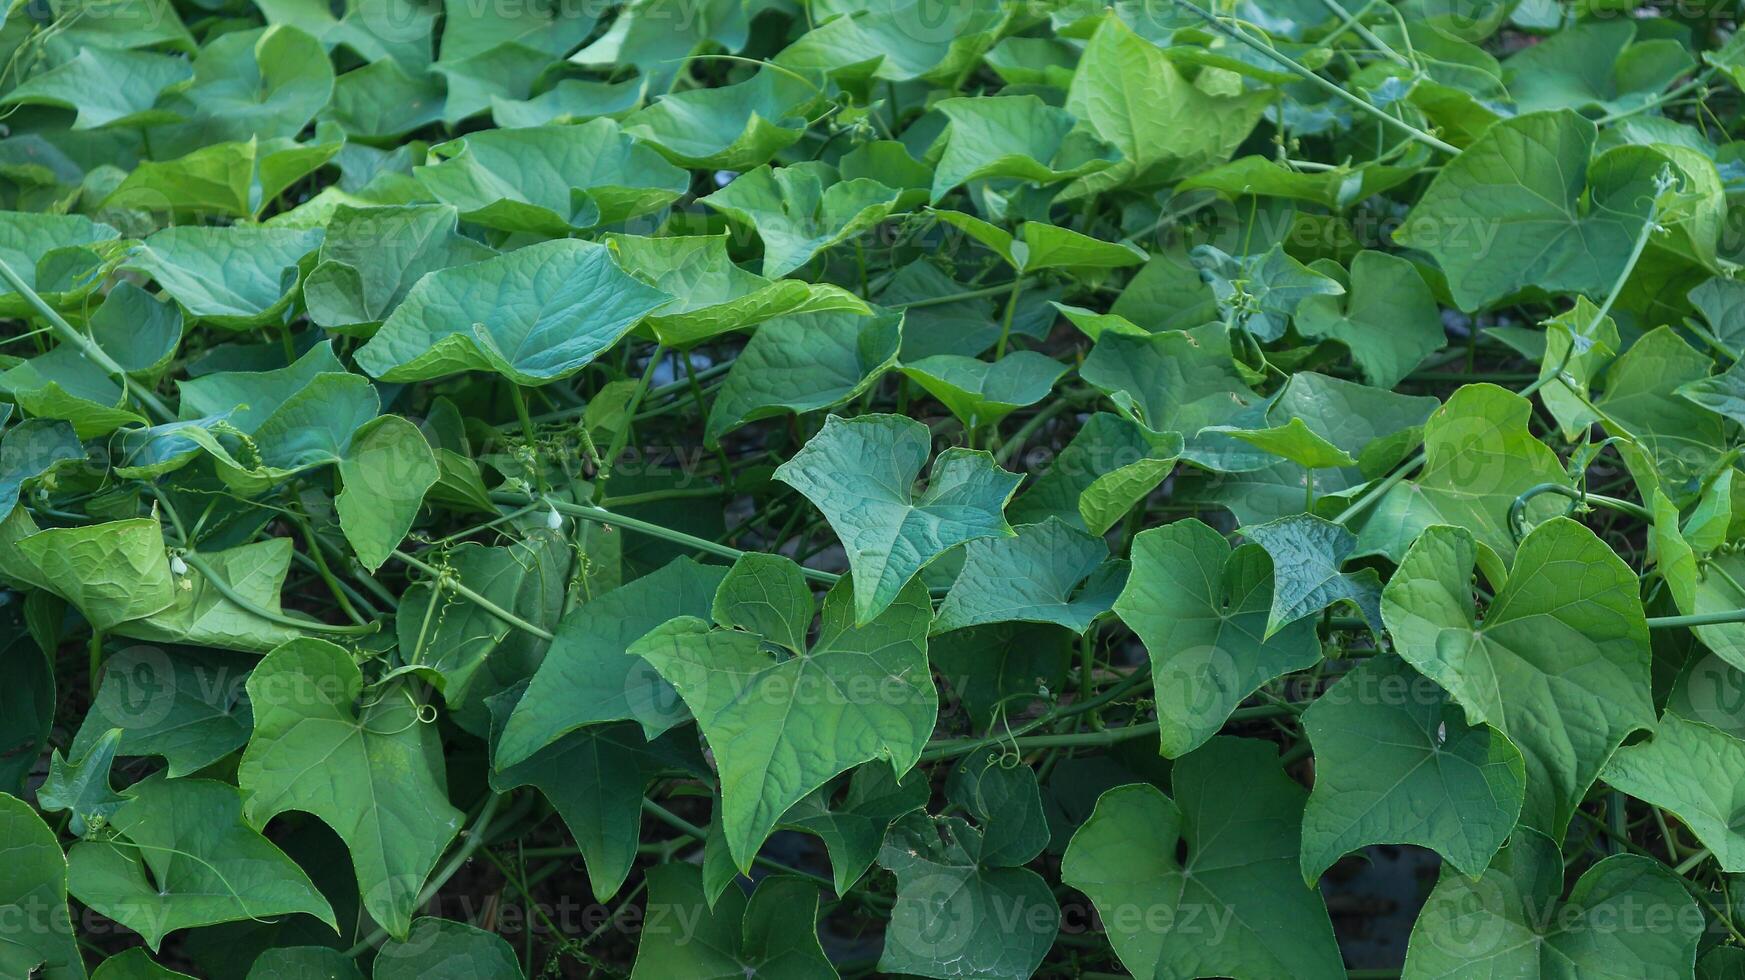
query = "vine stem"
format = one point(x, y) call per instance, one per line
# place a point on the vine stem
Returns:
point(697, 833)
point(1305, 74)
point(212, 578)
point(600, 515)
point(460, 589)
point(85, 345)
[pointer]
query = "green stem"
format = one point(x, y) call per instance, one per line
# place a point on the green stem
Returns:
point(94, 659)
point(999, 290)
point(526, 420)
point(602, 516)
point(697, 833)
point(86, 345)
point(217, 581)
point(1006, 321)
point(460, 589)
point(1305, 74)
point(621, 438)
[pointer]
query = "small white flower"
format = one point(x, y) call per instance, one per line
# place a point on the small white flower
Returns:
point(553, 519)
point(178, 566)
point(1441, 733)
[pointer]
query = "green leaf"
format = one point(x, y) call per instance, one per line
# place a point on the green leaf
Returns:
point(1679, 439)
point(711, 295)
point(234, 278)
point(368, 772)
point(105, 86)
point(384, 100)
point(135, 964)
point(570, 100)
point(1182, 382)
point(33, 895)
point(1673, 771)
point(1166, 127)
point(239, 179)
point(1016, 137)
point(1512, 922)
point(267, 82)
point(385, 471)
point(1478, 457)
point(1201, 610)
point(1558, 662)
point(853, 829)
point(551, 180)
point(1213, 871)
point(804, 364)
point(739, 937)
point(1110, 465)
point(202, 615)
point(1594, 66)
point(1040, 245)
point(867, 685)
point(1389, 320)
point(82, 788)
point(1307, 553)
point(188, 706)
point(730, 127)
point(802, 209)
point(371, 258)
point(1524, 208)
point(981, 393)
point(184, 857)
point(58, 255)
point(1583, 343)
point(534, 315)
point(1396, 763)
point(112, 572)
point(304, 963)
point(1296, 442)
point(441, 949)
point(1047, 573)
point(861, 474)
point(1261, 293)
point(966, 905)
point(32, 449)
point(586, 677)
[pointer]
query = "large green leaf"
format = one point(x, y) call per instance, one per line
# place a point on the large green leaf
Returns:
point(235, 278)
point(253, 83)
point(442, 949)
point(1675, 770)
point(534, 315)
point(1678, 439)
point(804, 364)
point(1201, 610)
point(1388, 319)
point(105, 87)
point(1307, 554)
point(239, 179)
point(1478, 457)
point(1512, 920)
point(712, 295)
point(551, 180)
point(1047, 573)
point(185, 858)
point(1396, 763)
point(587, 679)
point(770, 934)
point(1182, 382)
point(372, 257)
point(33, 894)
point(1211, 874)
point(58, 255)
point(861, 474)
point(204, 615)
point(802, 209)
point(386, 470)
point(1016, 137)
point(733, 127)
point(982, 393)
point(1558, 661)
point(867, 686)
point(1131, 94)
point(188, 706)
point(966, 905)
point(1526, 208)
point(371, 772)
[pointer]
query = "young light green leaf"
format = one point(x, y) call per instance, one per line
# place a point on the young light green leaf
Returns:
point(81, 789)
point(802, 209)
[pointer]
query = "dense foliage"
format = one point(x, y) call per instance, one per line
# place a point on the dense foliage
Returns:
point(751, 488)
